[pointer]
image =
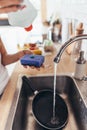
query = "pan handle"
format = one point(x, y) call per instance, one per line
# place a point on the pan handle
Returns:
point(28, 82)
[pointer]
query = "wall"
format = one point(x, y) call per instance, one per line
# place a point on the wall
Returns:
point(75, 9)
point(53, 8)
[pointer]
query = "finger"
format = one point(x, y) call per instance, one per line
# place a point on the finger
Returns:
point(38, 69)
point(32, 67)
point(4, 3)
point(43, 66)
point(24, 66)
point(13, 8)
point(27, 52)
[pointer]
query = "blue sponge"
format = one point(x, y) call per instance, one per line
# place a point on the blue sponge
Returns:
point(32, 60)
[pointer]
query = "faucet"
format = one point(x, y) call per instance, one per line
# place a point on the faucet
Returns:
point(67, 43)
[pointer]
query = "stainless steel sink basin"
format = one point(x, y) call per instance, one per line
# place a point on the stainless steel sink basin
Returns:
point(21, 116)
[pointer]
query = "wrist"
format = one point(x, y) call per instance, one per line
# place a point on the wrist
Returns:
point(21, 53)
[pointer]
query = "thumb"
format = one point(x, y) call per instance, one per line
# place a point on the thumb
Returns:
point(27, 52)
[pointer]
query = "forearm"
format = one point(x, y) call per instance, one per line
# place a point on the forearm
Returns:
point(11, 58)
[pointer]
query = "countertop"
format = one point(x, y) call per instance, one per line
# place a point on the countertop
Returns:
point(66, 65)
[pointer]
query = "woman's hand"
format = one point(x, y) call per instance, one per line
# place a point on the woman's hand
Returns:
point(33, 67)
point(24, 52)
point(10, 6)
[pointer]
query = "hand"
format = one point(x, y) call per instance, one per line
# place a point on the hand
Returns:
point(10, 5)
point(33, 67)
point(23, 52)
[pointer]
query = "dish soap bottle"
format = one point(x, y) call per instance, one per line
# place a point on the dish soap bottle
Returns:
point(23, 18)
point(80, 69)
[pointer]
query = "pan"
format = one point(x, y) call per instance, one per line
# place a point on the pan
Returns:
point(42, 108)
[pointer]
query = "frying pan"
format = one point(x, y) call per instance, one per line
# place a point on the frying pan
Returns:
point(42, 107)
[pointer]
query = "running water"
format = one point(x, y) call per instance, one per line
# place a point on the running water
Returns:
point(54, 119)
point(54, 92)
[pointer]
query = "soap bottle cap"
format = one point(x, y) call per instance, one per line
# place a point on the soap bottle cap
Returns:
point(29, 28)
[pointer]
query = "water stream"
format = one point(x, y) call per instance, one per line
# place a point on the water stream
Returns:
point(54, 92)
point(54, 119)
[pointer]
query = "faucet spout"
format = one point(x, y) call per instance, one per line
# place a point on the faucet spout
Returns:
point(66, 44)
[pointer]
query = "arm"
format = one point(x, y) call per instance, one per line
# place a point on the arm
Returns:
point(11, 58)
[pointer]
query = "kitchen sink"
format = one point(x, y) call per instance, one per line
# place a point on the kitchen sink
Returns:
point(21, 116)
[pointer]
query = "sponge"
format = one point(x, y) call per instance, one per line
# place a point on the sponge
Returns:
point(32, 60)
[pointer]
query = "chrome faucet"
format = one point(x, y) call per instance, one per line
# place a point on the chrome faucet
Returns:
point(66, 44)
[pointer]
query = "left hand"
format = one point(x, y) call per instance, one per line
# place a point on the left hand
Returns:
point(33, 67)
point(26, 66)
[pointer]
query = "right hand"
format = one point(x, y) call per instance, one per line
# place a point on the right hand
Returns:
point(7, 6)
